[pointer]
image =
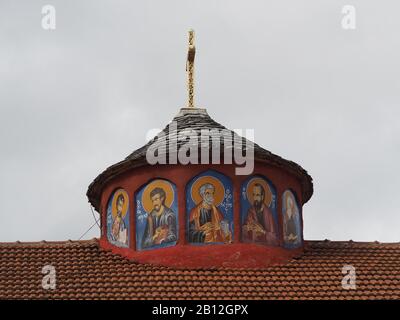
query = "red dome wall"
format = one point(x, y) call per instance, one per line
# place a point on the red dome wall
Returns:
point(183, 254)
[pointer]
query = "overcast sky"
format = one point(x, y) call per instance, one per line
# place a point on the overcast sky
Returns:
point(79, 98)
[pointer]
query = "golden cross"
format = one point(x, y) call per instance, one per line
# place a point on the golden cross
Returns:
point(190, 68)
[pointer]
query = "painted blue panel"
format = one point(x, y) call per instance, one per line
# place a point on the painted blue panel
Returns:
point(258, 211)
point(209, 205)
point(291, 220)
point(156, 215)
point(118, 219)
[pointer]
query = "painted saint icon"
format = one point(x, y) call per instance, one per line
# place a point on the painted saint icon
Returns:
point(156, 215)
point(118, 219)
point(210, 209)
point(258, 212)
point(291, 220)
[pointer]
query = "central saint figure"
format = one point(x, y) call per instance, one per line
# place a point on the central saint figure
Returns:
point(206, 222)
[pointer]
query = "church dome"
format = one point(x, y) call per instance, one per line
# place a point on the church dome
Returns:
point(195, 119)
point(200, 195)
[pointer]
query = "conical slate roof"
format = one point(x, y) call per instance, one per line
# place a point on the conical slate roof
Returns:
point(190, 120)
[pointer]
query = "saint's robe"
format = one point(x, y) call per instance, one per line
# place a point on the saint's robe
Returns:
point(118, 229)
point(260, 226)
point(159, 228)
point(205, 225)
point(290, 229)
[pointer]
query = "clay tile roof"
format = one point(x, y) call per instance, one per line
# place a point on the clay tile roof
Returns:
point(194, 119)
point(85, 271)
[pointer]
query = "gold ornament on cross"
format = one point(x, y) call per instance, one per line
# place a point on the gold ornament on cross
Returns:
point(190, 68)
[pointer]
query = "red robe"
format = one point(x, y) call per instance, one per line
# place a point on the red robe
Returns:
point(269, 234)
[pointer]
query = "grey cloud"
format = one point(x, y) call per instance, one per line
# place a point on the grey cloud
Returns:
point(75, 100)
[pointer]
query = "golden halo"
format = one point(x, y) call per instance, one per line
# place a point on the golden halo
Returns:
point(158, 183)
point(114, 202)
point(219, 189)
point(264, 183)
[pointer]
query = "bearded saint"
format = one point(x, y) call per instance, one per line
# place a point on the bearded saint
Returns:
point(161, 222)
point(206, 222)
point(260, 225)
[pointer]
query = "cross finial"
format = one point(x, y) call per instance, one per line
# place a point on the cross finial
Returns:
point(190, 68)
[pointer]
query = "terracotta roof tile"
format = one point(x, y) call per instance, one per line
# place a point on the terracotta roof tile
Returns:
point(85, 271)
